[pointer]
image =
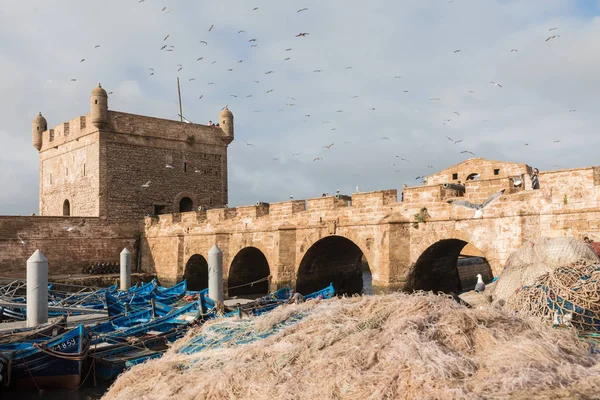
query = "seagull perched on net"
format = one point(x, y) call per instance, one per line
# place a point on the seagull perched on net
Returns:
point(478, 207)
point(480, 286)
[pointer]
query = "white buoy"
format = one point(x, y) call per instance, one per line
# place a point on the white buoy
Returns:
point(215, 275)
point(37, 289)
point(125, 269)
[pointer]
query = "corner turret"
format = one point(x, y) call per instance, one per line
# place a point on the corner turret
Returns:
point(38, 126)
point(226, 124)
point(99, 107)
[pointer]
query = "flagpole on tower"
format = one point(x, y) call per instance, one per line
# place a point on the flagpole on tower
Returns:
point(179, 93)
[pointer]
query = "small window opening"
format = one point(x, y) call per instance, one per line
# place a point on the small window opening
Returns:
point(95, 101)
point(67, 171)
point(66, 208)
point(455, 176)
point(83, 169)
point(159, 209)
point(497, 171)
point(184, 166)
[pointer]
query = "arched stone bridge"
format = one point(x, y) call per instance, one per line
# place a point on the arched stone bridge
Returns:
point(310, 243)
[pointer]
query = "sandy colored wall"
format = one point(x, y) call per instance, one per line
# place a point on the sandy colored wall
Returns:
point(67, 252)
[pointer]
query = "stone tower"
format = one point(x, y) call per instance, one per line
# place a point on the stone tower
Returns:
point(117, 166)
point(226, 124)
point(38, 126)
point(99, 107)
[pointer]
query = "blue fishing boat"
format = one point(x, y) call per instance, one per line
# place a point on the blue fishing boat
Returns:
point(52, 328)
point(44, 364)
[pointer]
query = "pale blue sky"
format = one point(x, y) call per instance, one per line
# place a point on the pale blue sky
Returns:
point(414, 41)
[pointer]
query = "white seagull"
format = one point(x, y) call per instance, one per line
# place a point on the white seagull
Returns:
point(480, 286)
point(72, 228)
point(478, 207)
point(147, 184)
point(496, 84)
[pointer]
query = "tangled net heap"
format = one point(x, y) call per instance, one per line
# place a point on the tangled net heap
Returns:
point(573, 290)
point(397, 346)
point(538, 257)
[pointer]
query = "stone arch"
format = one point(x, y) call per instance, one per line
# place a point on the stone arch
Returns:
point(334, 259)
point(66, 208)
point(249, 265)
point(181, 197)
point(196, 273)
point(442, 267)
point(186, 205)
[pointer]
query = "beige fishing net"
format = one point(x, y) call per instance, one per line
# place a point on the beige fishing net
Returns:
point(538, 257)
point(397, 346)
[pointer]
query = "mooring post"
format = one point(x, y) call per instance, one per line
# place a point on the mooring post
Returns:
point(215, 276)
point(37, 289)
point(125, 269)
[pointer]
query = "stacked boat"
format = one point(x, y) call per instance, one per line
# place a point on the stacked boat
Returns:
point(141, 324)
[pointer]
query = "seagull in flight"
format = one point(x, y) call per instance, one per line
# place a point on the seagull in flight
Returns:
point(457, 51)
point(204, 41)
point(317, 159)
point(21, 240)
point(169, 166)
point(466, 151)
point(329, 146)
point(147, 184)
point(211, 28)
point(573, 110)
point(302, 34)
point(452, 140)
point(72, 228)
point(553, 37)
point(242, 31)
point(478, 207)
point(248, 143)
point(496, 84)
point(553, 29)
point(302, 9)
point(514, 51)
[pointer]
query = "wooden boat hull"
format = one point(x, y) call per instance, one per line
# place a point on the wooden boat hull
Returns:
point(54, 363)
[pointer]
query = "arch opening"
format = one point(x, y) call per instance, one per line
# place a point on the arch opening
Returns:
point(66, 208)
point(186, 204)
point(338, 260)
point(449, 266)
point(249, 265)
point(196, 273)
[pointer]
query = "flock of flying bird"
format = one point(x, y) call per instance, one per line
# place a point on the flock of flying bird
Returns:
point(291, 101)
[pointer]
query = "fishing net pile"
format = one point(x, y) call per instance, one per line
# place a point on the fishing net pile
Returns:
point(554, 279)
point(538, 257)
point(397, 346)
point(567, 295)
